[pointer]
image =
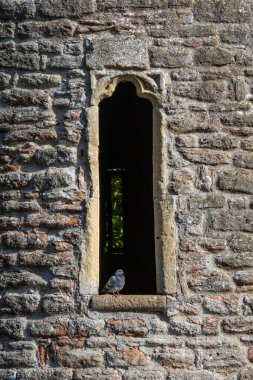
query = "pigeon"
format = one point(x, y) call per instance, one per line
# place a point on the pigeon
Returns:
point(115, 283)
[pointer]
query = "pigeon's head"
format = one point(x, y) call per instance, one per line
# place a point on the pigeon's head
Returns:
point(119, 272)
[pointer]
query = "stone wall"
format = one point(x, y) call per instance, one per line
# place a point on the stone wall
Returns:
point(204, 49)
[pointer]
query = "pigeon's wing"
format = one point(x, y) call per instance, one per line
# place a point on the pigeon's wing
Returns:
point(109, 285)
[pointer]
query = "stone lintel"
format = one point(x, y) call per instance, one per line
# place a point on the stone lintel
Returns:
point(128, 303)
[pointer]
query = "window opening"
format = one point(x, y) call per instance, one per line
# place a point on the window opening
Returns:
point(126, 190)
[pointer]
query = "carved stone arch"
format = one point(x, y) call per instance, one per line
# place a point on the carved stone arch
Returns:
point(102, 86)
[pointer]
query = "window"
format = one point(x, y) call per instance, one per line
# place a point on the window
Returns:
point(124, 187)
point(126, 190)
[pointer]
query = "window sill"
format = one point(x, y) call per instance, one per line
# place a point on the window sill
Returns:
point(129, 303)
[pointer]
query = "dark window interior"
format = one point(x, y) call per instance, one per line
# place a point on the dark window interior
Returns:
point(126, 190)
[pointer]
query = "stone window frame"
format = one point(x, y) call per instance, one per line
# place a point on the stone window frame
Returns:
point(151, 86)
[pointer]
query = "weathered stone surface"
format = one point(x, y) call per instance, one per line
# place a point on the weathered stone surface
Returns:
point(25, 97)
point(52, 221)
point(22, 240)
point(14, 180)
point(175, 358)
point(16, 303)
point(41, 80)
point(21, 278)
point(18, 359)
point(222, 305)
point(231, 221)
point(233, 260)
point(238, 325)
point(17, 9)
point(243, 278)
point(4, 80)
point(57, 28)
point(222, 11)
point(79, 358)
point(171, 57)
point(244, 160)
point(48, 328)
point(236, 181)
point(15, 206)
point(208, 91)
point(50, 179)
point(63, 8)
point(127, 357)
point(136, 374)
point(57, 303)
point(205, 156)
point(207, 201)
point(120, 52)
point(7, 29)
point(224, 360)
point(49, 155)
point(40, 259)
point(184, 326)
point(19, 60)
point(214, 56)
point(246, 374)
point(44, 374)
point(12, 328)
point(210, 282)
point(135, 303)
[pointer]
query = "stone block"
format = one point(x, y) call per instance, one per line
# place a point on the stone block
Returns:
point(236, 180)
point(232, 221)
point(41, 80)
point(5, 80)
point(126, 303)
point(59, 222)
point(44, 374)
point(51, 179)
point(224, 359)
point(238, 325)
point(170, 57)
point(21, 278)
point(218, 141)
point(18, 359)
point(241, 243)
point(21, 97)
point(7, 29)
point(222, 305)
point(17, 9)
point(20, 303)
point(57, 28)
point(48, 328)
point(243, 277)
point(16, 206)
point(65, 61)
point(57, 303)
point(79, 358)
point(174, 357)
point(205, 156)
point(7, 261)
point(137, 374)
point(8, 223)
point(27, 135)
point(246, 374)
point(40, 259)
point(23, 240)
point(19, 60)
point(189, 326)
point(221, 11)
point(215, 281)
point(233, 260)
point(48, 155)
point(117, 52)
point(243, 160)
point(208, 91)
point(12, 328)
point(64, 8)
point(214, 56)
point(127, 357)
point(128, 327)
point(207, 201)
